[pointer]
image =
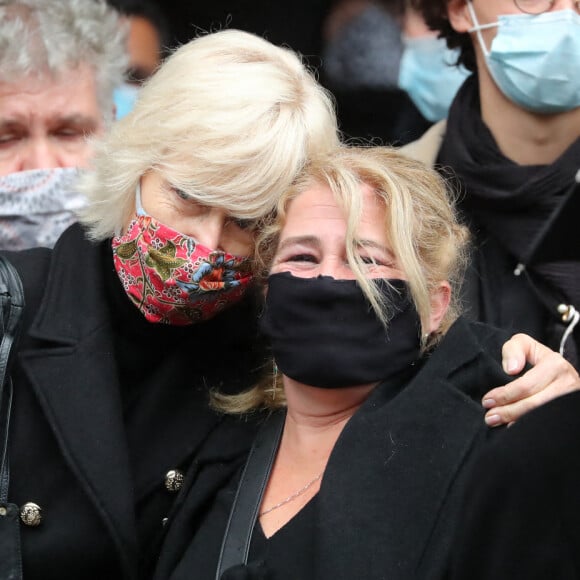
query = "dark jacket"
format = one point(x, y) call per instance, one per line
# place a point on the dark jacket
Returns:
point(391, 491)
point(495, 291)
point(103, 496)
point(521, 519)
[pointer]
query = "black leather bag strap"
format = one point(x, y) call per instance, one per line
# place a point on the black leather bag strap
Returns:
point(12, 306)
point(244, 512)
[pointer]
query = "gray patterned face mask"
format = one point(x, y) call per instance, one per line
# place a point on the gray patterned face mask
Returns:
point(37, 206)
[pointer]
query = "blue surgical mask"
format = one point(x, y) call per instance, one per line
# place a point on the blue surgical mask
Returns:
point(429, 76)
point(124, 98)
point(535, 59)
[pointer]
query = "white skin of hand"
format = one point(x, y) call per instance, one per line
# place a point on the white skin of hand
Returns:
point(550, 376)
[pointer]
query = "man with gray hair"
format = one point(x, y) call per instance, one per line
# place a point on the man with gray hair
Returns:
point(60, 61)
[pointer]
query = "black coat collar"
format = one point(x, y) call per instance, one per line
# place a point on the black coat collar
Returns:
point(72, 370)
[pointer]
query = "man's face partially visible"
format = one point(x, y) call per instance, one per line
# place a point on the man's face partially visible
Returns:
point(44, 121)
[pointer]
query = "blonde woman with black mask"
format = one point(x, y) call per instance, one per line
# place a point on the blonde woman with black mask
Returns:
point(371, 417)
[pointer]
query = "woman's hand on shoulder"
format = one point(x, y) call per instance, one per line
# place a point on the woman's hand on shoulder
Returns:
point(550, 376)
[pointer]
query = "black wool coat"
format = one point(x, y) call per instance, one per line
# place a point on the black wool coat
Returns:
point(390, 495)
point(103, 497)
point(521, 519)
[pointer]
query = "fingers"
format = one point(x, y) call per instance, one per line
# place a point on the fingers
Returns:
point(507, 414)
point(550, 376)
point(520, 349)
point(551, 370)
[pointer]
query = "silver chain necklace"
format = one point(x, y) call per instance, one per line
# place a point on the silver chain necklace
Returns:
point(293, 496)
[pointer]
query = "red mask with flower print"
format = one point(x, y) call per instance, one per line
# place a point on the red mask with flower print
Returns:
point(171, 278)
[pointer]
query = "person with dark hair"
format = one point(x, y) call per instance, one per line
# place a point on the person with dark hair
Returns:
point(434, 13)
point(512, 141)
point(148, 41)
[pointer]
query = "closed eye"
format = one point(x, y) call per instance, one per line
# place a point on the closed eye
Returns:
point(8, 138)
point(181, 194)
point(10, 133)
point(68, 134)
point(368, 260)
point(243, 224)
point(301, 258)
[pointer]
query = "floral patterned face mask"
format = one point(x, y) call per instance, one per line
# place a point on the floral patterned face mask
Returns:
point(171, 278)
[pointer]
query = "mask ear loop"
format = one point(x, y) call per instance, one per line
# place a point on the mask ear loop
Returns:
point(477, 28)
point(138, 205)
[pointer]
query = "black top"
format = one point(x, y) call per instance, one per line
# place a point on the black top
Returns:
point(290, 552)
point(275, 556)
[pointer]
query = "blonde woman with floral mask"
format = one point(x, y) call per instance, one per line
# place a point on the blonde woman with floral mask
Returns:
point(150, 303)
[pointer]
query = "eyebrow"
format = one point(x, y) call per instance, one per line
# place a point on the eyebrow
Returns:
point(304, 240)
point(75, 120)
point(372, 244)
point(10, 124)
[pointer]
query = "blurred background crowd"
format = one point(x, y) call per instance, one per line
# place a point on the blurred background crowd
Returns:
point(390, 75)
point(376, 52)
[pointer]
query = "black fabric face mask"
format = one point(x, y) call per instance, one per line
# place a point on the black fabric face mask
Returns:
point(324, 332)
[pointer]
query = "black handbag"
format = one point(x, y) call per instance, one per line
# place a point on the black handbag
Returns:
point(11, 305)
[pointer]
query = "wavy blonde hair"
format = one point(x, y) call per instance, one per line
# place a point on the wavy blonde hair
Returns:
point(422, 226)
point(229, 118)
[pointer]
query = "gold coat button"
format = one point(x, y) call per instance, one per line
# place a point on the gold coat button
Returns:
point(173, 480)
point(31, 514)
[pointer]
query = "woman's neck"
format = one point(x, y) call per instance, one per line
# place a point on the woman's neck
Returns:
point(315, 417)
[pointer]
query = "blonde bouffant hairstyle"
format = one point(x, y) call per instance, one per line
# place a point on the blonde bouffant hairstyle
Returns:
point(229, 119)
point(423, 230)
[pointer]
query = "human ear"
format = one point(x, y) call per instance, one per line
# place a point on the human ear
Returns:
point(459, 16)
point(440, 299)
